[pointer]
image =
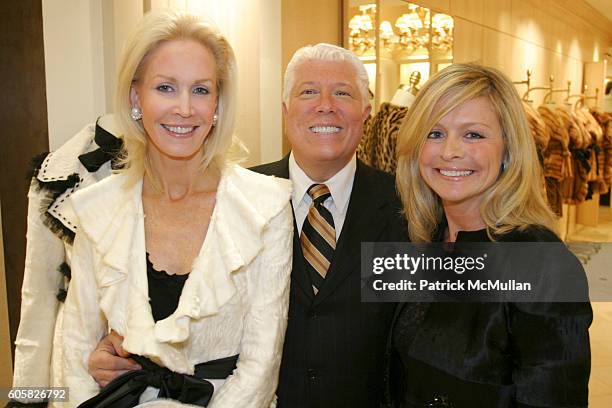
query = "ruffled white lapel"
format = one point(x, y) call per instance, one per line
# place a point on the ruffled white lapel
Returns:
point(60, 166)
point(112, 218)
point(61, 163)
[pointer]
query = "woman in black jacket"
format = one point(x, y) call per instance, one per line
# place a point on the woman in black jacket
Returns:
point(468, 172)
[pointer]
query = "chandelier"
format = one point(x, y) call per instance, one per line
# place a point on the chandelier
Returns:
point(442, 32)
point(361, 29)
point(417, 29)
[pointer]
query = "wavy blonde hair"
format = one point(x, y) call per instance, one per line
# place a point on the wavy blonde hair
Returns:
point(153, 30)
point(517, 198)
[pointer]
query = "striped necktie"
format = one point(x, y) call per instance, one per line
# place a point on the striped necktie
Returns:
point(318, 237)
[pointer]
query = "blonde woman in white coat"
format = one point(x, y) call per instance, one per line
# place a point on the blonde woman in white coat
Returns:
point(186, 256)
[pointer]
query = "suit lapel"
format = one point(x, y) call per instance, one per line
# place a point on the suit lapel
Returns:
point(365, 220)
point(298, 274)
point(279, 168)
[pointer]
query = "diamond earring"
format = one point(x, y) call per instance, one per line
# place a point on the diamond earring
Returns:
point(136, 113)
point(214, 119)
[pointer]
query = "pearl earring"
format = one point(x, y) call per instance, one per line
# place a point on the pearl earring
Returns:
point(214, 119)
point(136, 113)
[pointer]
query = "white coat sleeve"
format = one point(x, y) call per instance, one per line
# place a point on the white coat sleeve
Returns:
point(45, 252)
point(84, 322)
point(254, 381)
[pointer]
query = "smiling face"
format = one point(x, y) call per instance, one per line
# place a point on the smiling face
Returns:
point(463, 154)
point(324, 116)
point(177, 94)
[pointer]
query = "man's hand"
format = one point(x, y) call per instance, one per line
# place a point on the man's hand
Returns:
point(109, 360)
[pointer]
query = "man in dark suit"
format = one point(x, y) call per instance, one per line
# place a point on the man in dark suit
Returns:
point(335, 344)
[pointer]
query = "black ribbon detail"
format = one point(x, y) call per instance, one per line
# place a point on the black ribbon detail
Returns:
point(108, 150)
point(65, 270)
point(125, 391)
point(61, 295)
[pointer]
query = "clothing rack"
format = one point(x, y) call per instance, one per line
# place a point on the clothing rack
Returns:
point(548, 96)
point(571, 211)
point(526, 82)
point(596, 96)
point(548, 88)
point(584, 207)
point(582, 97)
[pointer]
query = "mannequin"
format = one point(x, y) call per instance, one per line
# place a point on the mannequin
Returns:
point(406, 93)
point(83, 160)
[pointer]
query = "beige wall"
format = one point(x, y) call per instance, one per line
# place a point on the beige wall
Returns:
point(549, 37)
point(74, 66)
point(308, 22)
point(118, 19)
point(6, 365)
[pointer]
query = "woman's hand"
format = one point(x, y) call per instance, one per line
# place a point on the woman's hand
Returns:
point(109, 360)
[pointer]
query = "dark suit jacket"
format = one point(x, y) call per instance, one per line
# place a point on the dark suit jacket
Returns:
point(335, 345)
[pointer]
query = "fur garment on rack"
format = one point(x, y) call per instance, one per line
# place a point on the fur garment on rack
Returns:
point(575, 191)
point(378, 145)
point(605, 122)
point(541, 137)
point(557, 158)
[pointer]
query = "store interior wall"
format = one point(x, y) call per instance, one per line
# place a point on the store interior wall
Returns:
point(74, 66)
point(549, 37)
point(118, 20)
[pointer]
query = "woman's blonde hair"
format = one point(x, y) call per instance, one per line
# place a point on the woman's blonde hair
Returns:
point(153, 30)
point(517, 198)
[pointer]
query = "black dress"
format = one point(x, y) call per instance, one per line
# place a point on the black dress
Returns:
point(164, 291)
point(471, 355)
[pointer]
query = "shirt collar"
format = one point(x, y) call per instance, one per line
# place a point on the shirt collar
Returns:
point(340, 184)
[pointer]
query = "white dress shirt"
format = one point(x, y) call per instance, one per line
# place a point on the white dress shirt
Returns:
point(340, 187)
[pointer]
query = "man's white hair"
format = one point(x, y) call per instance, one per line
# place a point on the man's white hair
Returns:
point(325, 52)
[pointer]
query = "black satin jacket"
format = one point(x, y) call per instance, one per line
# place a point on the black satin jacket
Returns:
point(491, 355)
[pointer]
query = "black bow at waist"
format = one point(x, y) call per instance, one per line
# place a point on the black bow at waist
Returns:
point(125, 391)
